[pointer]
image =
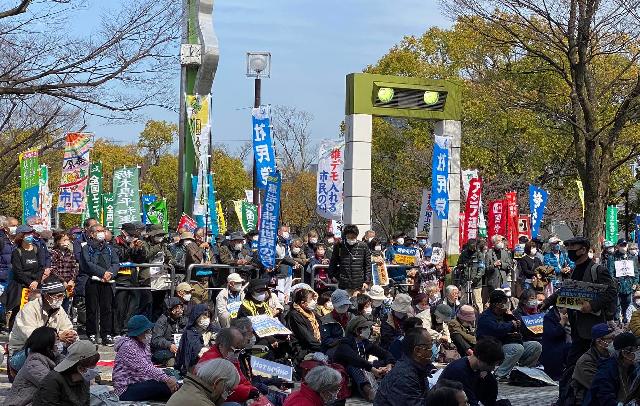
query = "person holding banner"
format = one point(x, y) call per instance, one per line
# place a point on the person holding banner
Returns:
point(230, 299)
point(625, 266)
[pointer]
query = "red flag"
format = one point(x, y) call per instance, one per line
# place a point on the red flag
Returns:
point(187, 223)
point(512, 219)
point(472, 211)
point(497, 220)
point(524, 226)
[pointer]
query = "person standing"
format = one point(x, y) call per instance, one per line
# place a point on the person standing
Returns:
point(626, 284)
point(498, 263)
point(64, 265)
point(100, 263)
point(351, 262)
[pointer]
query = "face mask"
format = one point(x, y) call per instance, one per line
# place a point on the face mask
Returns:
point(255, 238)
point(422, 306)
point(500, 245)
point(238, 247)
point(636, 356)
point(330, 398)
point(400, 241)
point(365, 334)
point(342, 309)
point(330, 241)
point(400, 316)
point(532, 303)
point(534, 251)
point(369, 239)
point(204, 323)
point(252, 342)
point(90, 374)
point(351, 242)
point(12, 230)
point(295, 250)
point(623, 250)
point(28, 239)
point(378, 248)
point(311, 305)
point(508, 293)
point(611, 349)
point(313, 240)
point(100, 236)
point(260, 297)
point(59, 347)
point(610, 250)
point(555, 248)
point(422, 243)
point(367, 311)
point(186, 297)
point(147, 338)
point(285, 235)
point(236, 287)
point(328, 305)
point(573, 255)
point(590, 255)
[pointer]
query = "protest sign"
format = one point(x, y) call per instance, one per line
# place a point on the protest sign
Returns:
point(379, 275)
point(424, 220)
point(249, 216)
point(573, 293)
point(45, 198)
point(533, 373)
point(237, 208)
point(537, 202)
point(472, 211)
point(329, 199)
point(270, 369)
point(197, 107)
point(611, 228)
point(75, 173)
point(467, 175)
point(157, 213)
point(222, 223)
point(233, 307)
point(146, 201)
point(497, 220)
point(248, 194)
point(29, 183)
point(270, 216)
point(265, 158)
point(187, 223)
point(534, 322)
point(94, 193)
point(126, 192)
point(211, 219)
point(524, 227)
point(581, 194)
point(405, 255)
point(264, 326)
point(440, 177)
point(624, 268)
point(437, 255)
point(512, 219)
point(176, 339)
point(108, 210)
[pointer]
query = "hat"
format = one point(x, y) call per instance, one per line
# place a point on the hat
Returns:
point(51, 286)
point(401, 303)
point(236, 236)
point(78, 351)
point(358, 322)
point(257, 284)
point(467, 313)
point(376, 292)
point(129, 228)
point(187, 235)
point(235, 278)
point(600, 330)
point(444, 311)
point(506, 288)
point(621, 241)
point(624, 340)
point(137, 325)
point(156, 229)
point(498, 296)
point(340, 297)
point(184, 287)
point(554, 240)
point(579, 241)
point(523, 239)
point(23, 228)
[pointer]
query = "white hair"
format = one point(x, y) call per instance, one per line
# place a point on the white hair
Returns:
point(3, 221)
point(449, 289)
point(322, 378)
point(219, 368)
point(496, 238)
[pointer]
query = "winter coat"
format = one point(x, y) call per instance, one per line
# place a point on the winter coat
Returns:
point(479, 386)
point(351, 265)
point(98, 258)
point(405, 385)
point(64, 264)
point(223, 314)
point(584, 372)
point(6, 249)
point(26, 383)
point(32, 316)
point(608, 388)
point(57, 389)
point(133, 364)
point(230, 256)
point(626, 283)
point(191, 341)
point(527, 335)
point(44, 256)
point(354, 353)
point(302, 341)
point(527, 267)
point(462, 336)
point(305, 396)
point(193, 392)
point(388, 332)
point(554, 345)
point(559, 262)
point(25, 270)
point(472, 266)
point(331, 332)
point(490, 325)
point(496, 276)
point(241, 393)
point(165, 327)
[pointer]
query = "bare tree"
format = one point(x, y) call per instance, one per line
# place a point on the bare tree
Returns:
point(293, 139)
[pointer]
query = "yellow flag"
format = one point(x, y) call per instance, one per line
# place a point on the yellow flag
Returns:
point(581, 194)
point(237, 206)
point(222, 224)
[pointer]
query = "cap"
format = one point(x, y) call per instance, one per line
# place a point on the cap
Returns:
point(578, 241)
point(235, 278)
point(23, 228)
point(340, 297)
point(498, 296)
point(401, 303)
point(356, 323)
point(600, 330)
point(129, 228)
point(467, 313)
point(523, 239)
point(257, 284)
point(78, 351)
point(187, 235)
point(184, 287)
point(137, 325)
point(156, 229)
point(444, 311)
point(236, 236)
point(52, 285)
point(621, 241)
point(376, 292)
point(624, 340)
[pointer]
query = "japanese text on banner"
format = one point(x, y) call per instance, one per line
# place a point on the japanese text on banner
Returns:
point(75, 173)
point(329, 180)
point(472, 211)
point(424, 221)
point(45, 199)
point(497, 220)
point(94, 192)
point(200, 130)
point(263, 153)
point(611, 229)
point(440, 177)
point(270, 215)
point(108, 210)
point(512, 219)
point(126, 192)
point(29, 183)
point(537, 202)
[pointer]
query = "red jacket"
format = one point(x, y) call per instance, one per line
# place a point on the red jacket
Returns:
point(304, 397)
point(241, 393)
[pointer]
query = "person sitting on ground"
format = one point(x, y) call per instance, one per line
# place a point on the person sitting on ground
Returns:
point(195, 339)
point(68, 383)
point(448, 395)
point(257, 299)
point(462, 330)
point(495, 322)
point(451, 298)
point(612, 382)
point(229, 345)
point(304, 325)
point(163, 346)
point(209, 385)
point(353, 353)
point(333, 324)
point(324, 305)
point(184, 292)
point(475, 372)
point(320, 387)
point(633, 315)
point(407, 324)
point(555, 347)
point(40, 350)
point(363, 306)
point(44, 311)
point(406, 383)
point(527, 306)
point(587, 364)
point(229, 299)
point(135, 378)
point(440, 316)
point(512, 302)
point(391, 328)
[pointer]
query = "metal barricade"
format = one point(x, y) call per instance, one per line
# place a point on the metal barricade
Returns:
point(335, 285)
point(215, 266)
point(173, 281)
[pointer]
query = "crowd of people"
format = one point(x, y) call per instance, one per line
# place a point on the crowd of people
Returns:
point(178, 310)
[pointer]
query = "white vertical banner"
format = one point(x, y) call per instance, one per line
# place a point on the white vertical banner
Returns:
point(424, 220)
point(198, 108)
point(329, 186)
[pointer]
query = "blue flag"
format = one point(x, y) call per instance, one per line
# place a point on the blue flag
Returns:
point(212, 221)
point(269, 218)
point(147, 199)
point(263, 153)
point(537, 202)
point(637, 230)
point(440, 178)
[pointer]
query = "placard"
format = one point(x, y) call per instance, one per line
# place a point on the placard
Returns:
point(534, 322)
point(265, 326)
point(269, 369)
point(405, 255)
point(624, 267)
point(573, 293)
point(437, 255)
point(379, 274)
point(233, 308)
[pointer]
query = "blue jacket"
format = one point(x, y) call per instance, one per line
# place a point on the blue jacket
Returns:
point(98, 258)
point(191, 341)
point(405, 385)
point(6, 249)
point(554, 345)
point(477, 388)
point(558, 263)
point(489, 325)
point(606, 384)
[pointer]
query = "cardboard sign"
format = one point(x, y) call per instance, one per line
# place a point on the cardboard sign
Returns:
point(379, 275)
point(233, 308)
point(265, 326)
point(405, 255)
point(624, 268)
point(534, 322)
point(573, 293)
point(176, 339)
point(24, 297)
point(269, 369)
point(437, 255)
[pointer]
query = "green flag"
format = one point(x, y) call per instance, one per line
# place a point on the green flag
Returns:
point(249, 216)
point(157, 213)
point(126, 191)
point(94, 193)
point(611, 230)
point(108, 208)
point(29, 183)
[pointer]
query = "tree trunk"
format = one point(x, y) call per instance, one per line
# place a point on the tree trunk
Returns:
point(595, 180)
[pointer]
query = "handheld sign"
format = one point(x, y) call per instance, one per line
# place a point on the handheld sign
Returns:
point(624, 268)
point(379, 275)
point(268, 369)
point(405, 255)
point(534, 322)
point(265, 326)
point(437, 255)
point(573, 293)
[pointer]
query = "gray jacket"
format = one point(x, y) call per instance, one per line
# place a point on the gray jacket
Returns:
point(496, 276)
point(26, 383)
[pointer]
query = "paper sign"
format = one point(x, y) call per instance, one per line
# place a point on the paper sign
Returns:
point(379, 275)
point(24, 297)
point(265, 326)
point(573, 293)
point(534, 322)
point(405, 255)
point(624, 268)
point(437, 255)
point(233, 308)
point(269, 369)
point(176, 339)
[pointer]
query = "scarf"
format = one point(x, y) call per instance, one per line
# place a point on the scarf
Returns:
point(343, 319)
point(315, 327)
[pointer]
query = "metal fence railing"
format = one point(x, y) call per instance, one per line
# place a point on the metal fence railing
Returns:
point(158, 280)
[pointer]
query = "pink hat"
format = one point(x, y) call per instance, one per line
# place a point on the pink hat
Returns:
point(467, 313)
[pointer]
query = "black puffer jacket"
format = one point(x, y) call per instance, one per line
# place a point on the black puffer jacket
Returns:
point(166, 327)
point(351, 265)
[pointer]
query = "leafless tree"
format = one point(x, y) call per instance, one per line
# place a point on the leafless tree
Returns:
point(292, 138)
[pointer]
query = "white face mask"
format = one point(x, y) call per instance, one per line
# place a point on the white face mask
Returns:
point(610, 250)
point(12, 230)
point(186, 297)
point(295, 250)
point(311, 305)
point(285, 235)
point(255, 238)
point(367, 311)
point(147, 338)
point(328, 306)
point(204, 323)
point(90, 374)
point(260, 297)
point(633, 252)
point(500, 245)
point(55, 304)
point(376, 303)
point(377, 248)
point(534, 251)
point(590, 255)
point(101, 236)
point(400, 241)
point(238, 246)
point(330, 241)
point(623, 250)
point(351, 241)
point(637, 301)
point(313, 240)
point(236, 287)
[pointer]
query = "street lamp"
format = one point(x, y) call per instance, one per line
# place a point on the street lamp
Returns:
point(258, 66)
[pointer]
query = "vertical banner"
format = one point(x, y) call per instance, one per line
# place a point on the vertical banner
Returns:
point(249, 216)
point(512, 219)
point(524, 226)
point(200, 129)
point(248, 194)
point(472, 211)
point(156, 213)
point(581, 194)
point(147, 200)
point(45, 198)
point(94, 192)
point(222, 223)
point(467, 175)
point(237, 208)
point(424, 220)
point(29, 183)
point(108, 210)
point(497, 220)
point(611, 230)
point(461, 229)
point(126, 191)
point(263, 153)
point(440, 177)
point(537, 202)
point(270, 216)
point(329, 200)
point(213, 209)
point(637, 229)
point(75, 173)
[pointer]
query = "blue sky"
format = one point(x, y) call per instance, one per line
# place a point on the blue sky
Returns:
point(314, 44)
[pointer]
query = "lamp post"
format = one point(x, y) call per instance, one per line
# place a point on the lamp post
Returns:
point(258, 66)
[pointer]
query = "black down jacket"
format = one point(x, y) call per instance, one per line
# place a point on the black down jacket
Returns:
point(351, 265)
